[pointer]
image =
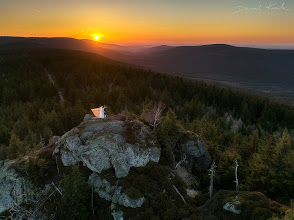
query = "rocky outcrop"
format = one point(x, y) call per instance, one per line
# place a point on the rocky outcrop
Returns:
point(113, 193)
point(15, 190)
point(121, 143)
point(198, 157)
point(104, 143)
point(117, 143)
point(228, 205)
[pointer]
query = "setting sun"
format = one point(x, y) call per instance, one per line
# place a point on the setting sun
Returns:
point(96, 37)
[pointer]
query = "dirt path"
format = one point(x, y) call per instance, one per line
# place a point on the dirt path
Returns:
point(51, 79)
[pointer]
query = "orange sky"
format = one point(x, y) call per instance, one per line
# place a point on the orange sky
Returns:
point(152, 21)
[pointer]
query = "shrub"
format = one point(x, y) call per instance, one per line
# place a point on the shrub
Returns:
point(260, 213)
point(288, 214)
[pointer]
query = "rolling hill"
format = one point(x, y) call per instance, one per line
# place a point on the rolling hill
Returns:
point(268, 72)
point(263, 71)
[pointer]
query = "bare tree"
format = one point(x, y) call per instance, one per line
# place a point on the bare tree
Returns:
point(236, 175)
point(153, 117)
point(57, 167)
point(92, 202)
point(18, 211)
point(212, 171)
point(178, 192)
point(59, 190)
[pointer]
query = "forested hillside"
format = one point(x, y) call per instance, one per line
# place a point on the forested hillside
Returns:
point(255, 131)
point(267, 72)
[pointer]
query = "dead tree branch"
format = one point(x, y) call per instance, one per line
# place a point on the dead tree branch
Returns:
point(153, 117)
point(184, 157)
point(182, 197)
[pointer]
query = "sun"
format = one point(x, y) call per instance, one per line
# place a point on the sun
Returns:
point(96, 37)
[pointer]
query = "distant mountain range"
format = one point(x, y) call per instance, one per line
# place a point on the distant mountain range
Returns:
point(270, 72)
point(265, 71)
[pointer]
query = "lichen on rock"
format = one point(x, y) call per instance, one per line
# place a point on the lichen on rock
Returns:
point(103, 143)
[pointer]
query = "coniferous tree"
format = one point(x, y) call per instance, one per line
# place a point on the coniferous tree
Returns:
point(169, 131)
point(16, 147)
point(75, 201)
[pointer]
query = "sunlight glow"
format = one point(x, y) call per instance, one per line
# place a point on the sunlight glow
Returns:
point(96, 37)
point(150, 22)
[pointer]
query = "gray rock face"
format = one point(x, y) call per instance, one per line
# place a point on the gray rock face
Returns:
point(231, 208)
point(120, 163)
point(8, 178)
point(197, 154)
point(117, 215)
point(18, 190)
point(88, 117)
point(113, 193)
point(104, 143)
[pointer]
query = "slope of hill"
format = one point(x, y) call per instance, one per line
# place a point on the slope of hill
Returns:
point(109, 50)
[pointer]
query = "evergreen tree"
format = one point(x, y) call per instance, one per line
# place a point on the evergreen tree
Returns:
point(75, 200)
point(169, 131)
point(272, 168)
point(282, 167)
point(15, 148)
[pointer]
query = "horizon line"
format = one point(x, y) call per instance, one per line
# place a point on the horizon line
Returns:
point(259, 46)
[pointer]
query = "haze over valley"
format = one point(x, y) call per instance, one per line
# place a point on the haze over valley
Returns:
point(268, 72)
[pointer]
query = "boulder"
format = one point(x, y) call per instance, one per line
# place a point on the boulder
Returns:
point(231, 208)
point(101, 144)
point(198, 157)
point(117, 215)
point(113, 193)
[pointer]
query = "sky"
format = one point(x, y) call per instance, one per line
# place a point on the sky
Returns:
point(149, 22)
